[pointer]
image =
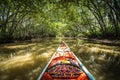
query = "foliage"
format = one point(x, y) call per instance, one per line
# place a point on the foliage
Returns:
point(28, 19)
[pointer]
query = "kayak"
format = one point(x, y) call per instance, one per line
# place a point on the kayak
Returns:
point(64, 65)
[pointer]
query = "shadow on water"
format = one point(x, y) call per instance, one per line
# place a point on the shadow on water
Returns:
point(102, 59)
point(110, 43)
point(112, 67)
point(28, 61)
point(29, 58)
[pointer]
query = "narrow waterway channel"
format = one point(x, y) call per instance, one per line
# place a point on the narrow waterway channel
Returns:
point(26, 60)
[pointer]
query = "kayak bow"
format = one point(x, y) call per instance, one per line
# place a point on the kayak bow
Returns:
point(64, 65)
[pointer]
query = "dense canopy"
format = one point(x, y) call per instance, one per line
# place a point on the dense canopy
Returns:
point(26, 19)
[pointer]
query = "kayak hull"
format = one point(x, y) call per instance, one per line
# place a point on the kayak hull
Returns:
point(64, 65)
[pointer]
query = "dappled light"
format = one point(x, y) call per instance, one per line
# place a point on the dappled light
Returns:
point(29, 58)
point(31, 31)
point(101, 59)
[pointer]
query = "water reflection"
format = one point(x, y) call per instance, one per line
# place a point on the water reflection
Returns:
point(102, 59)
point(26, 60)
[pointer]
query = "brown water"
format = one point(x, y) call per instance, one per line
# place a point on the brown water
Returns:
point(26, 60)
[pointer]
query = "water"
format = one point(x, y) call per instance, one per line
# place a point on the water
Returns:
point(26, 60)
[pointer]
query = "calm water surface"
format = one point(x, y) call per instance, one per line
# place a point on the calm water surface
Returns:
point(26, 60)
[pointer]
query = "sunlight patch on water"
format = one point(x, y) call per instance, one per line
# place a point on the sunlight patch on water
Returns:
point(34, 72)
point(97, 50)
point(94, 49)
point(47, 54)
point(22, 60)
point(21, 52)
point(19, 46)
point(16, 61)
point(101, 48)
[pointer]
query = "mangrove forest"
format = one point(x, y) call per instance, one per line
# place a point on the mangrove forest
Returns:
point(32, 30)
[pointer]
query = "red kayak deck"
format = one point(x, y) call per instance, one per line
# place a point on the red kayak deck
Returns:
point(63, 66)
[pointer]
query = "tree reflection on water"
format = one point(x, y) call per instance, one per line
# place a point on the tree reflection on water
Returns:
point(26, 60)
